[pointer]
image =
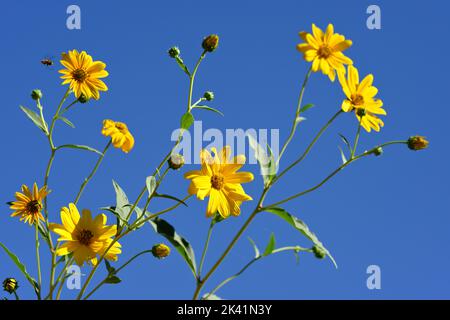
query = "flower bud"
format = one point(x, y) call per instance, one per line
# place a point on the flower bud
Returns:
point(378, 151)
point(176, 161)
point(83, 99)
point(361, 112)
point(10, 285)
point(210, 43)
point(174, 52)
point(160, 251)
point(319, 252)
point(417, 143)
point(208, 95)
point(36, 94)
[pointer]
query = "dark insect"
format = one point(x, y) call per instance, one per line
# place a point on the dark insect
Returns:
point(47, 62)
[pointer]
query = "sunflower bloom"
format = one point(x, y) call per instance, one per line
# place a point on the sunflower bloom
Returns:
point(85, 237)
point(83, 74)
point(119, 133)
point(28, 205)
point(324, 50)
point(361, 99)
point(218, 178)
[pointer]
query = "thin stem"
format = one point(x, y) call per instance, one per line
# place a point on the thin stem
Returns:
point(16, 295)
point(332, 174)
point(116, 272)
point(62, 280)
point(38, 259)
point(297, 114)
point(358, 132)
point(68, 107)
point(192, 79)
point(201, 282)
point(205, 248)
point(308, 149)
point(58, 278)
point(94, 170)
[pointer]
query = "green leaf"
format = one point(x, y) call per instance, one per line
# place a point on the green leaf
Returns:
point(81, 147)
point(266, 161)
point(33, 116)
point(270, 246)
point(306, 107)
point(140, 215)
point(187, 120)
point(300, 119)
point(168, 196)
point(121, 221)
point(122, 204)
point(22, 268)
point(66, 121)
point(302, 227)
point(113, 280)
point(255, 247)
point(344, 159)
point(346, 142)
point(150, 182)
point(209, 108)
point(109, 268)
point(183, 247)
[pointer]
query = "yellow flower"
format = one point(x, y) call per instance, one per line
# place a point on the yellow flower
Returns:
point(29, 204)
point(83, 74)
point(119, 133)
point(160, 251)
point(219, 179)
point(324, 50)
point(85, 237)
point(361, 99)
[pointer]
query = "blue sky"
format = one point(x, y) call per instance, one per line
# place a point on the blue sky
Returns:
point(390, 211)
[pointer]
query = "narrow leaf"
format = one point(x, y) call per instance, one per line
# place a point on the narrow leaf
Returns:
point(344, 159)
point(183, 247)
point(266, 162)
point(187, 120)
point(21, 267)
point(210, 296)
point(33, 116)
point(66, 121)
point(300, 119)
point(113, 280)
point(270, 246)
point(346, 142)
point(121, 203)
point(255, 247)
point(81, 147)
point(302, 227)
point(150, 182)
point(306, 107)
point(210, 109)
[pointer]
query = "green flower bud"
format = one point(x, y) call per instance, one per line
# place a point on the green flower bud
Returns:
point(378, 151)
point(36, 94)
point(417, 143)
point(208, 95)
point(176, 161)
point(83, 99)
point(174, 52)
point(160, 251)
point(318, 252)
point(210, 43)
point(361, 112)
point(10, 285)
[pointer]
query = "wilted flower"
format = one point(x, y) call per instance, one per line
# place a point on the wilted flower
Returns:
point(417, 143)
point(160, 251)
point(176, 161)
point(119, 133)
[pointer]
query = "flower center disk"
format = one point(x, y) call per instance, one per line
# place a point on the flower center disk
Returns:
point(79, 75)
point(33, 206)
point(358, 100)
point(217, 181)
point(324, 52)
point(85, 236)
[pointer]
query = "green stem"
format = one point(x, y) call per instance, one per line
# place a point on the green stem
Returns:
point(332, 174)
point(38, 259)
point(201, 282)
point(116, 272)
point(68, 107)
point(192, 79)
point(308, 149)
point(205, 248)
point(297, 114)
point(16, 295)
point(94, 170)
point(358, 132)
